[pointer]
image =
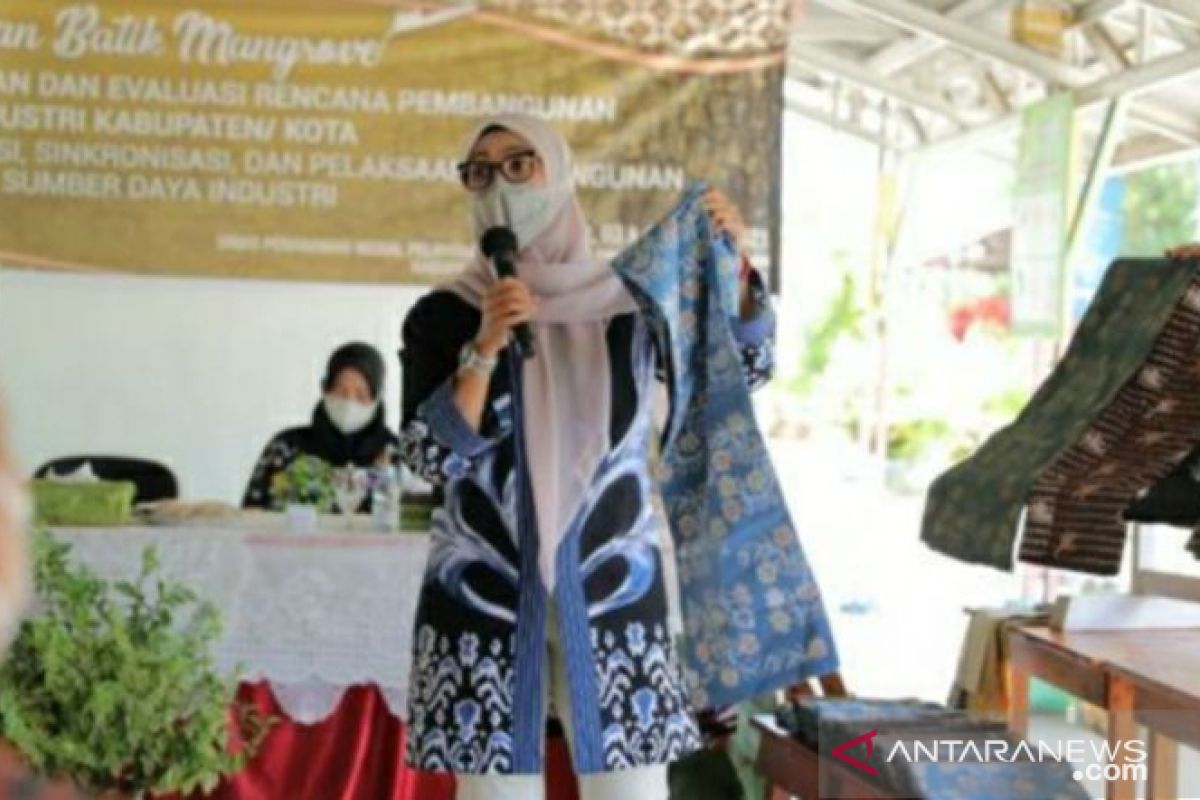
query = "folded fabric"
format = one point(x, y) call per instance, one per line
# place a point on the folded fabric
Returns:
point(942, 763)
point(981, 679)
point(752, 612)
point(808, 718)
point(977, 647)
point(1021, 780)
point(919, 749)
point(1114, 416)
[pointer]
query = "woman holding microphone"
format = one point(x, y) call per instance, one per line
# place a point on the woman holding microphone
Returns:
point(550, 596)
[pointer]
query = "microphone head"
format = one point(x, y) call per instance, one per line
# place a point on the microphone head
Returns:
point(498, 241)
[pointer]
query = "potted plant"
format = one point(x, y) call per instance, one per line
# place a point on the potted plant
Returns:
point(112, 685)
point(304, 489)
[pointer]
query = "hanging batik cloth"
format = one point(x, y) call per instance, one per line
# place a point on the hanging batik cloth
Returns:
point(1118, 413)
point(753, 615)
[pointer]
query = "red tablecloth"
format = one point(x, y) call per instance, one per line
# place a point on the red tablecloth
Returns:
point(355, 754)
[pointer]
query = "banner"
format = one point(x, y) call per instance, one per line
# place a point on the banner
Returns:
point(1042, 203)
point(317, 139)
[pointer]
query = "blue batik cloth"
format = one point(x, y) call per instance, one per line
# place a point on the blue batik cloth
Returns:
point(753, 616)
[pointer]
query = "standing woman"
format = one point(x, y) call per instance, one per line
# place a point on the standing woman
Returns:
point(551, 596)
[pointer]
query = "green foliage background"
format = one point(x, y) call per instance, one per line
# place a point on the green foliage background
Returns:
point(114, 687)
point(1160, 209)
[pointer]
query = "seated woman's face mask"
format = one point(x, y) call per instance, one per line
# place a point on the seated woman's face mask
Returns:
point(349, 416)
point(525, 209)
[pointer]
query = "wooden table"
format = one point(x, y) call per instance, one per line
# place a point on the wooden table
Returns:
point(794, 770)
point(1144, 677)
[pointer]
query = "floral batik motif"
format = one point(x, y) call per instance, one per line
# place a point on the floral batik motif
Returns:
point(752, 611)
point(754, 616)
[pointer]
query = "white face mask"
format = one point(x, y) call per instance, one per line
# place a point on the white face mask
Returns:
point(524, 208)
point(349, 416)
point(15, 514)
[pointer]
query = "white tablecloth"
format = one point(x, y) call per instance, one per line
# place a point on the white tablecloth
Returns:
point(312, 614)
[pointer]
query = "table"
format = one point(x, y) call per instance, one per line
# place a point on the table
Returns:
point(321, 625)
point(796, 770)
point(1141, 677)
point(310, 614)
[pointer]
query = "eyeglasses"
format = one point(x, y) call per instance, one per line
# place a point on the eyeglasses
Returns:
point(477, 174)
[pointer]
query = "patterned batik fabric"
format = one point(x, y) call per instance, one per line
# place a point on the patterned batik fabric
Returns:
point(753, 615)
point(810, 718)
point(1025, 780)
point(973, 510)
point(476, 638)
point(476, 703)
point(1076, 506)
point(276, 457)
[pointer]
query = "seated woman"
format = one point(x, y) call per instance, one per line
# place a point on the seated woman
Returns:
point(347, 425)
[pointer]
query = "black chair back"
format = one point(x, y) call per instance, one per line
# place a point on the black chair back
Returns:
point(154, 481)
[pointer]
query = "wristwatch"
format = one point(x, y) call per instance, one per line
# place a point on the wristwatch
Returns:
point(470, 358)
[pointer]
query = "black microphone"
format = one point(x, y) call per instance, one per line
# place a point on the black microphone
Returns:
point(500, 245)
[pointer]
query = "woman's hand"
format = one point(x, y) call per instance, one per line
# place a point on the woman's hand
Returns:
point(506, 303)
point(1183, 252)
point(726, 218)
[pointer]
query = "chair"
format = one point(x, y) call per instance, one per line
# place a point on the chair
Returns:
point(722, 769)
point(154, 481)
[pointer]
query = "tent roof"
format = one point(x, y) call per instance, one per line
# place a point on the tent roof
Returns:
point(924, 75)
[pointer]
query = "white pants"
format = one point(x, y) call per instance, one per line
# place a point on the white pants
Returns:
point(639, 783)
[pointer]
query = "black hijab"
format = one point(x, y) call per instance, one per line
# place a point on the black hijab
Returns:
point(363, 447)
point(360, 356)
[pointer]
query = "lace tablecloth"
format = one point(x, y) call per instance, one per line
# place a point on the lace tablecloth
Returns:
point(311, 614)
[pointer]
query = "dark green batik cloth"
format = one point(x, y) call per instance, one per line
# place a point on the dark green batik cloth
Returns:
point(1076, 508)
point(973, 510)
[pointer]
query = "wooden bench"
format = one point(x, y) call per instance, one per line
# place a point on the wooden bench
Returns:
point(793, 769)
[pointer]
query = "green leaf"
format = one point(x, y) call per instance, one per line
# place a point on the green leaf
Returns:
point(114, 685)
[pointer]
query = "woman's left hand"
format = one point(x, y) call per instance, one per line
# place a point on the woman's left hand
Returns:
point(1183, 252)
point(726, 218)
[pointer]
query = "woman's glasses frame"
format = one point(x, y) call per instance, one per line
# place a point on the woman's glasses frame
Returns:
point(477, 174)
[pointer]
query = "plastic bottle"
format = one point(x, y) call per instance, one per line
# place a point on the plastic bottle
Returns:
point(385, 499)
